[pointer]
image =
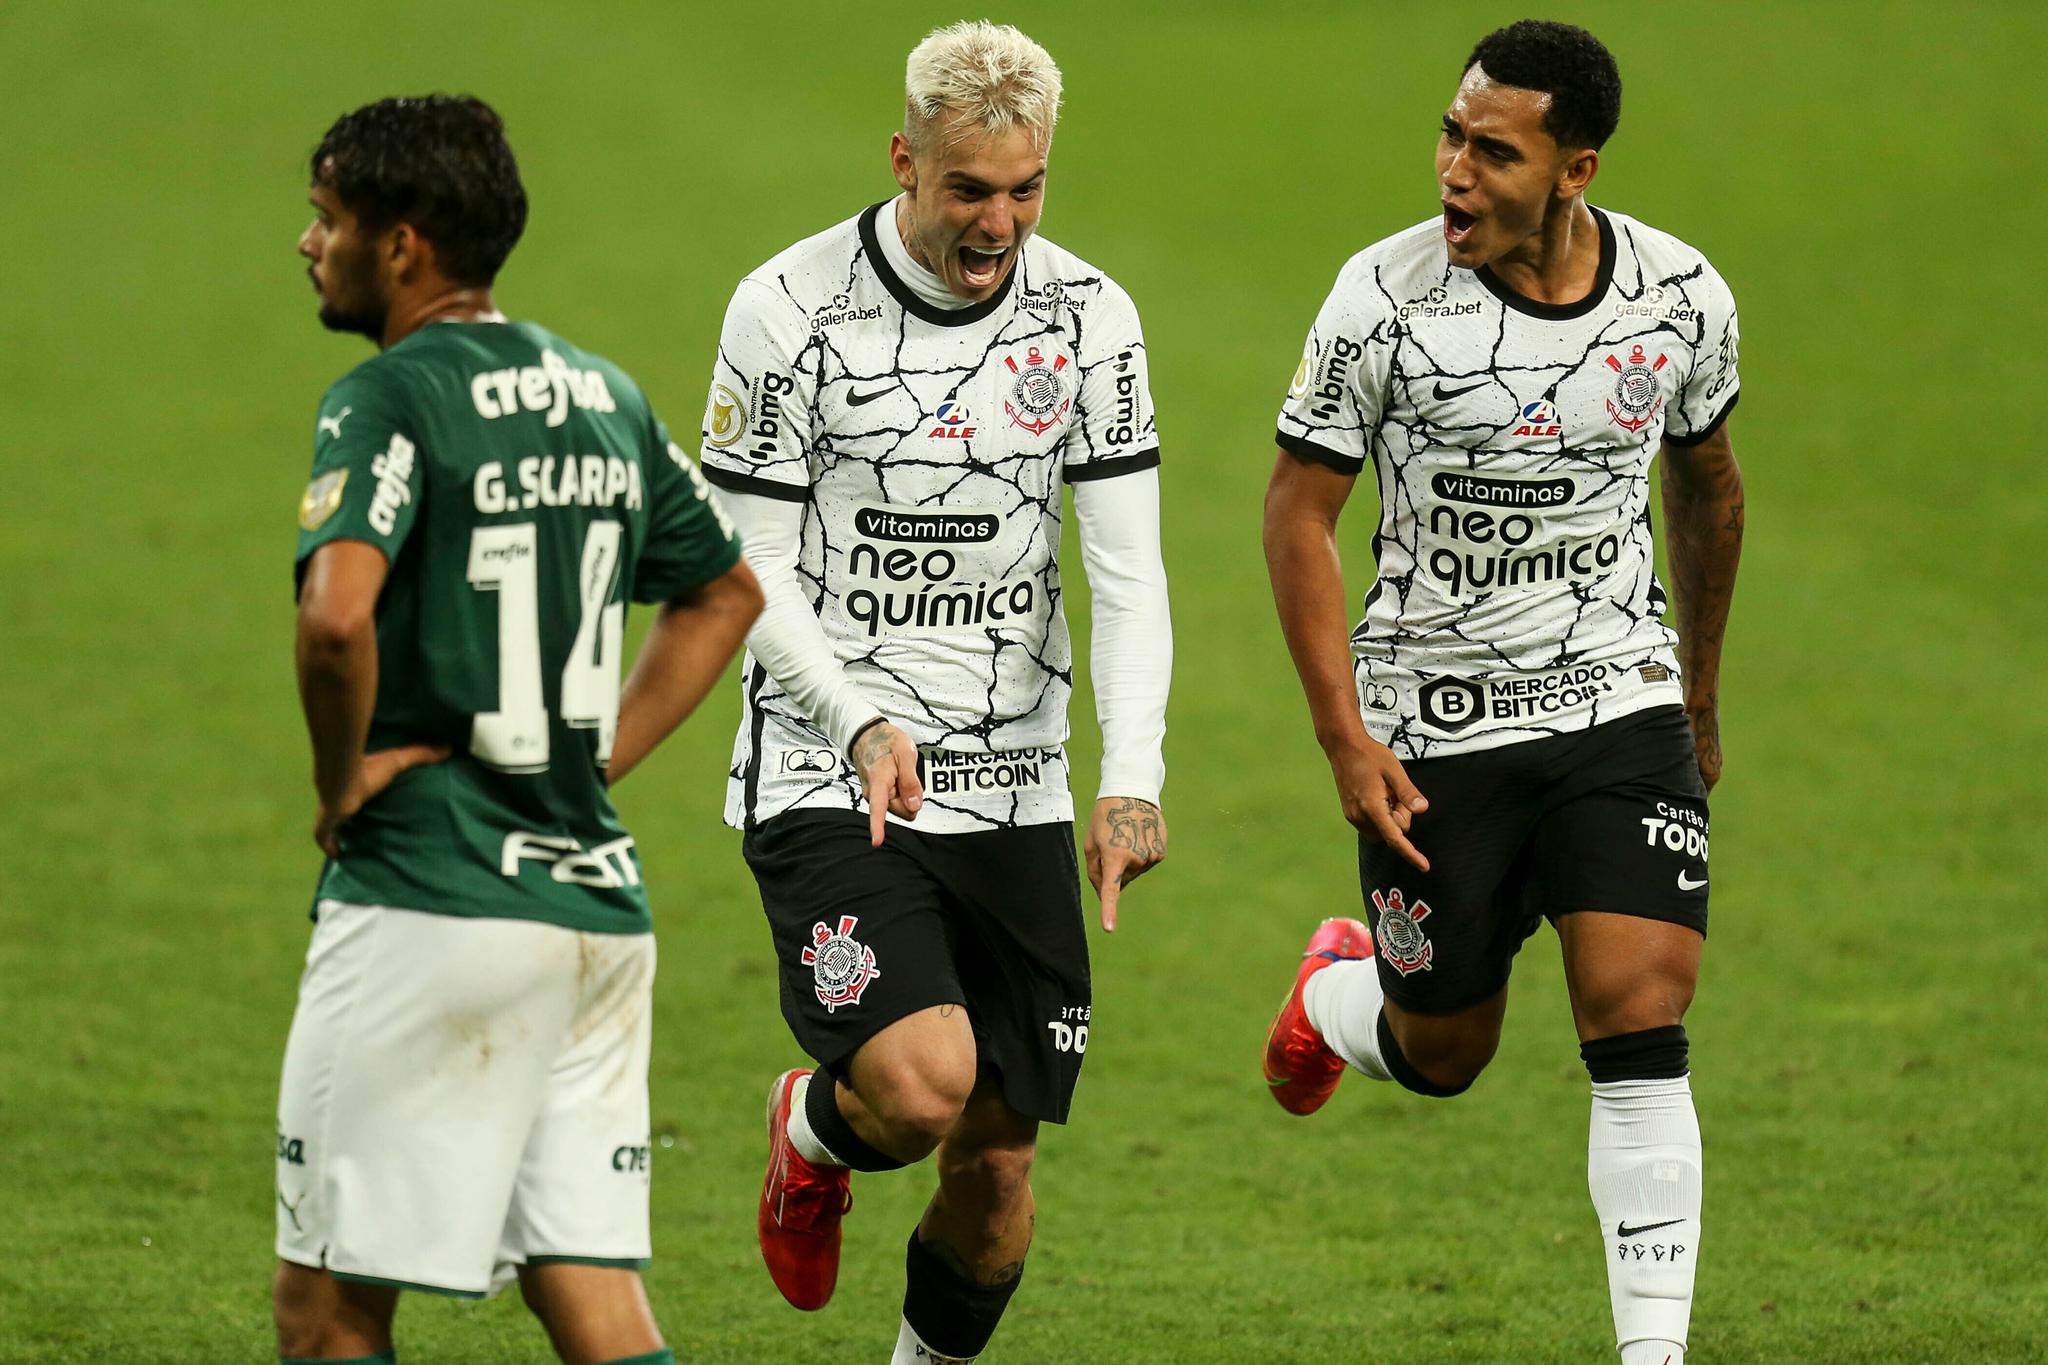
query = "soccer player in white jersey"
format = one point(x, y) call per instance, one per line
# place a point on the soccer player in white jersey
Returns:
point(897, 405)
point(1509, 727)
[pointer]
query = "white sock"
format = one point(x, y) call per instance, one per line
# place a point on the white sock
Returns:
point(911, 1350)
point(799, 1129)
point(1643, 1169)
point(1342, 1002)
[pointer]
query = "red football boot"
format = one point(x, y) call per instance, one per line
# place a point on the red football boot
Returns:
point(801, 1205)
point(1300, 1068)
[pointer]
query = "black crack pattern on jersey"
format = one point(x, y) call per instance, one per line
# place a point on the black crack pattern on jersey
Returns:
point(1455, 370)
point(994, 688)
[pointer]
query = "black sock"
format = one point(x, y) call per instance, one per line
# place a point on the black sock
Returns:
point(1652, 1054)
point(821, 1108)
point(950, 1314)
point(1403, 1071)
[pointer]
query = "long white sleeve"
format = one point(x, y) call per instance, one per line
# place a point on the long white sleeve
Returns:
point(787, 637)
point(1130, 656)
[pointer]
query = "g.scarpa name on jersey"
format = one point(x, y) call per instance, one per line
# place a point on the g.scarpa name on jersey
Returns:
point(559, 481)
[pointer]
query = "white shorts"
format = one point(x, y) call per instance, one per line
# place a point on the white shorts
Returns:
point(462, 1097)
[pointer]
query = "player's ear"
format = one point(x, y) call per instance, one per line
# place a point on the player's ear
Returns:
point(903, 162)
point(1579, 170)
point(406, 252)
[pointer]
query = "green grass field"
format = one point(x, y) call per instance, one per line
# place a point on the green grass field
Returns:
point(1869, 1039)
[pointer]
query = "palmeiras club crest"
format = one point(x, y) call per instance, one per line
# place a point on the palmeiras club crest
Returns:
point(1637, 394)
point(1038, 399)
point(840, 966)
point(1403, 945)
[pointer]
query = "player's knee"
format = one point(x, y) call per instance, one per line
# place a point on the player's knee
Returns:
point(919, 1098)
point(1439, 1057)
point(1652, 1002)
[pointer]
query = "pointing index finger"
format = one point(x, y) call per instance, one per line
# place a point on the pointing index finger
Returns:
point(1392, 835)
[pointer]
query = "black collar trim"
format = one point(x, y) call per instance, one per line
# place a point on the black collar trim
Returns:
point(903, 294)
point(1558, 312)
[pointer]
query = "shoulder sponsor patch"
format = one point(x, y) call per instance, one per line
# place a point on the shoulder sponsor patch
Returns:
point(726, 421)
point(321, 498)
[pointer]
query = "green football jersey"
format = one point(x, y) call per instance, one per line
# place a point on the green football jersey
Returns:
point(523, 491)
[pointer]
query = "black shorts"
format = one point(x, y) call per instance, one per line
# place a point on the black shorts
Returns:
point(990, 919)
point(1611, 818)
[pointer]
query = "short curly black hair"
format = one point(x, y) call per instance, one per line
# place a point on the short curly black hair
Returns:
point(437, 162)
point(1565, 62)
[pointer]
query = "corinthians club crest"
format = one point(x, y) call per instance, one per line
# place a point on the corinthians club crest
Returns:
point(1637, 394)
point(1038, 399)
point(1403, 945)
point(840, 966)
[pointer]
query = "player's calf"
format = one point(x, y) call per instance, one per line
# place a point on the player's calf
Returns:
point(1643, 1169)
point(319, 1317)
point(592, 1312)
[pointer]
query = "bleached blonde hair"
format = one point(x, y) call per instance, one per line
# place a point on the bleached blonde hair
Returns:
point(994, 75)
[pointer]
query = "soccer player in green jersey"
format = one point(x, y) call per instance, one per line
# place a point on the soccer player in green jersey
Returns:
point(464, 1096)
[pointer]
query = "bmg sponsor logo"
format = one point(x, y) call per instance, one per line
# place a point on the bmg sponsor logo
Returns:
point(1123, 428)
point(1328, 397)
point(765, 435)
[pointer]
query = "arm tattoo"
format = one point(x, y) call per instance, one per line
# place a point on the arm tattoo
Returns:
point(1704, 519)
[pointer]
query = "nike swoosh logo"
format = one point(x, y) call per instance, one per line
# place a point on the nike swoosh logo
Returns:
point(1624, 1230)
point(1441, 392)
point(856, 399)
point(1686, 883)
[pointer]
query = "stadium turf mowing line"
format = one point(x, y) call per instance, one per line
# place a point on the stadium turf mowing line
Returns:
point(1868, 1036)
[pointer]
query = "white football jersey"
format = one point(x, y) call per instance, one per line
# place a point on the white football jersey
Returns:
point(929, 447)
point(1511, 440)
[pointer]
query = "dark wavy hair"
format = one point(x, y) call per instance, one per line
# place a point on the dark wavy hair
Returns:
point(437, 162)
point(1566, 63)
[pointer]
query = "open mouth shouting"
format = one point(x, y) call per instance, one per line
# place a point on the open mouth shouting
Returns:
point(981, 267)
point(1458, 225)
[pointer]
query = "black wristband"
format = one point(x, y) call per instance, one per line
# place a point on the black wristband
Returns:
point(878, 720)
